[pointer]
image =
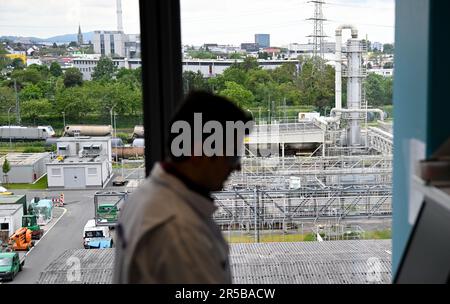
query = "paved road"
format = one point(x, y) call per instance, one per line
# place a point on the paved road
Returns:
point(66, 234)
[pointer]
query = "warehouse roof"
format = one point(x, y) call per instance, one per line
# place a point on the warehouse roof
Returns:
point(23, 159)
point(341, 262)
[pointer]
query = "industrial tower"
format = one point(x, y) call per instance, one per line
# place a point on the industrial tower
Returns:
point(318, 34)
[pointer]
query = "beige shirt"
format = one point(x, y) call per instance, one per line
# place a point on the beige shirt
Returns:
point(166, 235)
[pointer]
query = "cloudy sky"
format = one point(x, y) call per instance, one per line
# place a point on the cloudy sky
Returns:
point(203, 21)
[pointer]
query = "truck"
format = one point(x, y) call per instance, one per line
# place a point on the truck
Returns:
point(26, 133)
point(107, 213)
point(96, 236)
point(10, 265)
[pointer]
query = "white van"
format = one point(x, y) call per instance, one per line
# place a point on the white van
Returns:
point(92, 232)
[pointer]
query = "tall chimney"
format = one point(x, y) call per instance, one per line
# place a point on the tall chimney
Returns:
point(119, 16)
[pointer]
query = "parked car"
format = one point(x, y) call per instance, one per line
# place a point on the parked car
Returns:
point(10, 265)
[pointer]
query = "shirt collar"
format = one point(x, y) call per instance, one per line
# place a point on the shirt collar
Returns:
point(201, 203)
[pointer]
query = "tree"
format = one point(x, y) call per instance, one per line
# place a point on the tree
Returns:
point(35, 108)
point(238, 94)
point(18, 64)
point(73, 77)
point(388, 48)
point(105, 70)
point(7, 98)
point(194, 81)
point(55, 46)
point(388, 65)
point(24, 77)
point(30, 92)
point(6, 167)
point(55, 69)
point(73, 44)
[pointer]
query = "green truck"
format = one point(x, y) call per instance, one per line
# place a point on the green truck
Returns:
point(10, 265)
point(107, 213)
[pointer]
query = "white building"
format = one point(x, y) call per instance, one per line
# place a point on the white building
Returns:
point(10, 219)
point(81, 162)
point(25, 167)
point(109, 43)
point(213, 67)
point(86, 63)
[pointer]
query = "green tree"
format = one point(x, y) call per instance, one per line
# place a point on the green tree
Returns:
point(194, 81)
point(35, 108)
point(375, 91)
point(105, 70)
point(6, 167)
point(388, 48)
point(17, 63)
point(73, 77)
point(238, 93)
point(30, 92)
point(55, 69)
point(24, 77)
point(7, 98)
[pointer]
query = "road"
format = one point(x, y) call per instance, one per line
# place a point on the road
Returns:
point(66, 234)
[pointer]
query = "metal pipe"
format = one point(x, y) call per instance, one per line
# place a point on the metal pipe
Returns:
point(380, 112)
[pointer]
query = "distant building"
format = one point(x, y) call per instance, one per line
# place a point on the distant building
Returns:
point(25, 167)
point(213, 67)
point(250, 47)
point(377, 46)
point(86, 63)
point(117, 44)
point(263, 40)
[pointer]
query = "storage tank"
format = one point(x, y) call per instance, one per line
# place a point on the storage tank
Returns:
point(116, 142)
point(128, 152)
point(88, 130)
point(138, 142)
point(138, 132)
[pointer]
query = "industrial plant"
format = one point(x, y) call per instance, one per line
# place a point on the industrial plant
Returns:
point(344, 171)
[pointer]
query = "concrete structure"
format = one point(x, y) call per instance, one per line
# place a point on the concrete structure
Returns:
point(82, 162)
point(25, 167)
point(263, 40)
point(10, 219)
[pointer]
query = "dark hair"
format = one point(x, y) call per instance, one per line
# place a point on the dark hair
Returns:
point(212, 107)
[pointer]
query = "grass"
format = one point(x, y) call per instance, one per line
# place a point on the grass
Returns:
point(41, 184)
point(296, 237)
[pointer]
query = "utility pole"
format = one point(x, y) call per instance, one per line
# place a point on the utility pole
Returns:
point(17, 104)
point(318, 34)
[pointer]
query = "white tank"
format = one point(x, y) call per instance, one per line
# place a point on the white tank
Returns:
point(88, 130)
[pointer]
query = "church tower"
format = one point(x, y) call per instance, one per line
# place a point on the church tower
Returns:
point(80, 36)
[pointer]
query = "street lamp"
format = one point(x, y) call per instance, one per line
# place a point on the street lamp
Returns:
point(64, 119)
point(9, 127)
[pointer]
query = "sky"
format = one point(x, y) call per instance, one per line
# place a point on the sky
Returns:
point(203, 21)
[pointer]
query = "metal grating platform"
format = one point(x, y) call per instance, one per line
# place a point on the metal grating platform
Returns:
point(332, 262)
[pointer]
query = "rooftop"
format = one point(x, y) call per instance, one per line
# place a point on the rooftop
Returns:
point(23, 159)
point(341, 262)
point(6, 210)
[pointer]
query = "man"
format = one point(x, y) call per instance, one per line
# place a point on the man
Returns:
point(166, 233)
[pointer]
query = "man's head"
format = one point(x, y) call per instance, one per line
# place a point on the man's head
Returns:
point(206, 138)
